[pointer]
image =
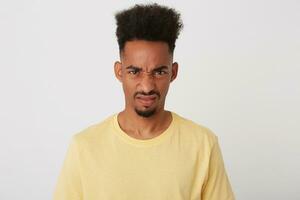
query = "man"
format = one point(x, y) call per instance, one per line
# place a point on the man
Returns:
point(145, 152)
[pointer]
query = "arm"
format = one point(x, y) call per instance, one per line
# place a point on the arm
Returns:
point(217, 185)
point(69, 182)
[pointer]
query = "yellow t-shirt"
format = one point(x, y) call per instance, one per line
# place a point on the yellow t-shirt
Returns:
point(182, 163)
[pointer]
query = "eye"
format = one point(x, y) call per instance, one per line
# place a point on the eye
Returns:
point(160, 72)
point(134, 71)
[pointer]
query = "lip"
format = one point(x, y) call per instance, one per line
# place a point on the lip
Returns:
point(146, 100)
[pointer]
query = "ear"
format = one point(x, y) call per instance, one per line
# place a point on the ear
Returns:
point(174, 71)
point(118, 70)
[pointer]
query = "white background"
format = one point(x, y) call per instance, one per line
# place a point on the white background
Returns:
point(239, 75)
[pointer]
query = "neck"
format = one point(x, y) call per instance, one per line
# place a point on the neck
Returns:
point(141, 127)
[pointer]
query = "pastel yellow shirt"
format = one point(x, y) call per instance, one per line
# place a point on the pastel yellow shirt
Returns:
point(182, 163)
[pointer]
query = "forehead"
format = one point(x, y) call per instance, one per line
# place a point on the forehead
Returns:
point(147, 54)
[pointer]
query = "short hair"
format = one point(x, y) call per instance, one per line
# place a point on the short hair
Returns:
point(150, 22)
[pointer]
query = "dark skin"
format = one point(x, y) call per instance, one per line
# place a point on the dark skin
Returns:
point(146, 70)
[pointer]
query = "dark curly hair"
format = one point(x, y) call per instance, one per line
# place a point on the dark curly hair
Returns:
point(150, 22)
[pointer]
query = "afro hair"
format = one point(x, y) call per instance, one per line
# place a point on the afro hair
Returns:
point(150, 22)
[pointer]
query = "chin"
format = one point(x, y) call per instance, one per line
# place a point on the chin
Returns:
point(145, 113)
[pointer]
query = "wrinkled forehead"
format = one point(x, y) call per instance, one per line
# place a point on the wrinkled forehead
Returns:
point(146, 54)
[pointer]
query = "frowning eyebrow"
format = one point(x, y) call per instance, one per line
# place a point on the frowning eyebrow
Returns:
point(139, 68)
point(133, 67)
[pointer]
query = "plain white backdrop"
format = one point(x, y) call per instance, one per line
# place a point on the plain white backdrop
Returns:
point(238, 75)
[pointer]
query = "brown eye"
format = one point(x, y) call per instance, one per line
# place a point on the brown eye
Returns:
point(133, 72)
point(160, 72)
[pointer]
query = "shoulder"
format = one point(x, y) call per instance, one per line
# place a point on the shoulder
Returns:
point(196, 131)
point(94, 131)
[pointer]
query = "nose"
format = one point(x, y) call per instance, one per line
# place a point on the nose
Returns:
point(147, 83)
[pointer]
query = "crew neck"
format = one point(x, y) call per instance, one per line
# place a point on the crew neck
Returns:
point(144, 142)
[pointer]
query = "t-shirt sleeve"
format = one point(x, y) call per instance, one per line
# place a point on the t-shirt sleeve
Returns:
point(217, 185)
point(69, 182)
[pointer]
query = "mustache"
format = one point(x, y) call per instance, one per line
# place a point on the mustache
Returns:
point(152, 92)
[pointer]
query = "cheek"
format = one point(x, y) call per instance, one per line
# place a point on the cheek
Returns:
point(163, 87)
point(128, 88)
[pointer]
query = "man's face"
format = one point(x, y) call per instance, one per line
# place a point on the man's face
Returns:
point(145, 70)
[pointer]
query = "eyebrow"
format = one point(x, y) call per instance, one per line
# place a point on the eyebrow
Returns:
point(139, 68)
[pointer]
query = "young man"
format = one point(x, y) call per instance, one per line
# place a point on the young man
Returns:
point(145, 152)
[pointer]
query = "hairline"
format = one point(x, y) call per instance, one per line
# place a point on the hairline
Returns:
point(121, 51)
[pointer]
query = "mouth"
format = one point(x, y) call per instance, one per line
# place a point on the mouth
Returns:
point(146, 100)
